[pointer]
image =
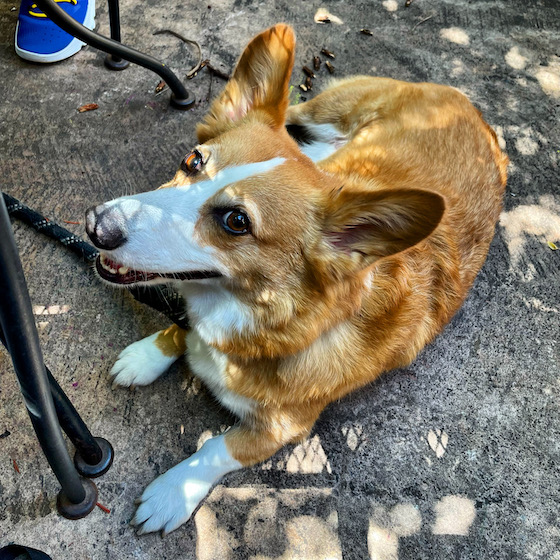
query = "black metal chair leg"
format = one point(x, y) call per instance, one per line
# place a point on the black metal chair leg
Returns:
point(111, 61)
point(180, 98)
point(78, 496)
point(94, 455)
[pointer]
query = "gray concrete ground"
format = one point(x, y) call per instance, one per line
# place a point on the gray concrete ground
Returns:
point(455, 457)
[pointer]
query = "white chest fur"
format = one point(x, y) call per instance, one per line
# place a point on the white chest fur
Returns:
point(210, 366)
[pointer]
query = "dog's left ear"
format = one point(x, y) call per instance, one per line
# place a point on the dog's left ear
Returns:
point(365, 227)
point(259, 85)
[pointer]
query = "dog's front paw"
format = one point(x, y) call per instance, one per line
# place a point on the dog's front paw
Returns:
point(140, 363)
point(171, 499)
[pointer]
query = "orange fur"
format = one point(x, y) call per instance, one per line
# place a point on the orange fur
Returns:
point(363, 265)
point(353, 264)
point(171, 341)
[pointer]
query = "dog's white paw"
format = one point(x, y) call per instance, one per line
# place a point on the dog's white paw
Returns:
point(171, 498)
point(140, 363)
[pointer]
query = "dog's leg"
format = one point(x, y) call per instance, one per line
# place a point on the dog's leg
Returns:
point(144, 361)
point(171, 499)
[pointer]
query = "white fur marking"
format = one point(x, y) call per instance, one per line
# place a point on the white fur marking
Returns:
point(171, 498)
point(209, 365)
point(328, 140)
point(140, 363)
point(318, 150)
point(159, 225)
point(214, 312)
point(326, 132)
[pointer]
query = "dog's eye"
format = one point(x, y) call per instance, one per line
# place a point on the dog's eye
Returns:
point(192, 162)
point(236, 222)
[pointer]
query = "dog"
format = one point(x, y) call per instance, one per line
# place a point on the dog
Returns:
point(309, 265)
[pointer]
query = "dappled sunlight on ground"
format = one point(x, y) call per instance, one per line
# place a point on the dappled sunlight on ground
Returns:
point(307, 457)
point(515, 59)
point(262, 523)
point(278, 525)
point(549, 78)
point(541, 220)
point(454, 516)
point(455, 35)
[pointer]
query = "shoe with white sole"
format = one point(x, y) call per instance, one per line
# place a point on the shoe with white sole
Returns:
point(40, 40)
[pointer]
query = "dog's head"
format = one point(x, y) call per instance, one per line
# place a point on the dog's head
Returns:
point(249, 211)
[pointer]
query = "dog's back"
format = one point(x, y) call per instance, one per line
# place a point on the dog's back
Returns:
point(394, 135)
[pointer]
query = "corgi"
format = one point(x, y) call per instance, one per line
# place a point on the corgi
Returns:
point(310, 262)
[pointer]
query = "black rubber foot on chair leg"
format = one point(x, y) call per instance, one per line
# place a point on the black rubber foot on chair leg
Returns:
point(116, 64)
point(93, 471)
point(182, 104)
point(76, 511)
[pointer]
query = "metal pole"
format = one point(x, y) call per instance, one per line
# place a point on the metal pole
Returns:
point(18, 324)
point(111, 61)
point(180, 98)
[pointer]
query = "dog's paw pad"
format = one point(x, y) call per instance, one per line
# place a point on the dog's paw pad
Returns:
point(140, 363)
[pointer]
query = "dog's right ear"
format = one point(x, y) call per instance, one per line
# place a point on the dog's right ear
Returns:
point(259, 85)
point(364, 227)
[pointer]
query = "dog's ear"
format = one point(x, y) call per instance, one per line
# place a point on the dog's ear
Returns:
point(259, 85)
point(364, 227)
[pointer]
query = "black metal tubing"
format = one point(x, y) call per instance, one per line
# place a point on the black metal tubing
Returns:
point(111, 61)
point(114, 20)
point(18, 324)
point(69, 419)
point(180, 98)
point(72, 423)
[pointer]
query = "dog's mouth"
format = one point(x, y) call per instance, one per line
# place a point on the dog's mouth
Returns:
point(117, 273)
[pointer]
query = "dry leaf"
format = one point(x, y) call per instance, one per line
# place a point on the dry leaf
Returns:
point(552, 245)
point(88, 107)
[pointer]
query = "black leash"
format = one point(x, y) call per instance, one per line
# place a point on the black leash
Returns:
point(161, 297)
point(50, 229)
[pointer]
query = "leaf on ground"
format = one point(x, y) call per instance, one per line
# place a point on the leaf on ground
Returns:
point(88, 107)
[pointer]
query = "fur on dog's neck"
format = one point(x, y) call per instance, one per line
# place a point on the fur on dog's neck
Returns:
point(273, 324)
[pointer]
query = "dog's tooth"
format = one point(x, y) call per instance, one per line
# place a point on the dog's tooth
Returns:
point(123, 269)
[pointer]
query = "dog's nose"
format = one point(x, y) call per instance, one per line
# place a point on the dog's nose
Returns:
point(103, 229)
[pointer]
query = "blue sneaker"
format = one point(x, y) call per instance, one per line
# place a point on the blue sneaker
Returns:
point(40, 40)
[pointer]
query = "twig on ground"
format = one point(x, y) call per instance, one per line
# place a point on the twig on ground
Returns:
point(103, 508)
point(216, 71)
point(197, 66)
point(420, 23)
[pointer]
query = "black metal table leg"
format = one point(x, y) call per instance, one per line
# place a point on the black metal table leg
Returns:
point(78, 496)
point(111, 61)
point(180, 98)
